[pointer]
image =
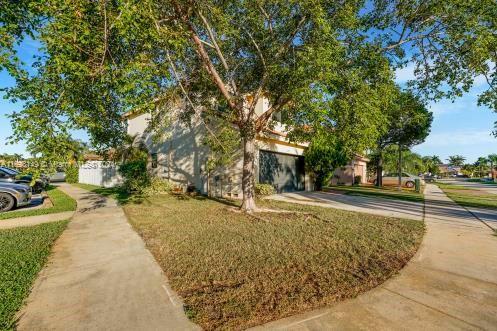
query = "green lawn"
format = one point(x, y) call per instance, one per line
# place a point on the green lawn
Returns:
point(61, 202)
point(481, 181)
point(113, 192)
point(384, 192)
point(23, 252)
point(469, 197)
point(235, 270)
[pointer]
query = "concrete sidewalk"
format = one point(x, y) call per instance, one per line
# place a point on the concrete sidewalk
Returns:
point(101, 277)
point(451, 283)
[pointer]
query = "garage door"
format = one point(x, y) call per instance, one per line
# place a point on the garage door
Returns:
point(285, 172)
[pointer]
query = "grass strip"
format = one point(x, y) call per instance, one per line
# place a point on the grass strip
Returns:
point(469, 197)
point(23, 252)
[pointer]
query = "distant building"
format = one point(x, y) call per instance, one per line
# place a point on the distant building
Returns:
point(448, 170)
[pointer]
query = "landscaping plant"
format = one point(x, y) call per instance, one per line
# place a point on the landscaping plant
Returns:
point(72, 174)
point(264, 189)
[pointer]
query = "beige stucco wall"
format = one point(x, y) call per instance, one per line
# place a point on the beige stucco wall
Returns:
point(345, 175)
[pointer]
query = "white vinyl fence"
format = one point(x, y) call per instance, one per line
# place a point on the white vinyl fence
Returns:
point(101, 173)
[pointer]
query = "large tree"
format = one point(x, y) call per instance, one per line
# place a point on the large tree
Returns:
point(102, 58)
point(409, 123)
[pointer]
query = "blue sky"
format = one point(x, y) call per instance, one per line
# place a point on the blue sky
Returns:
point(458, 128)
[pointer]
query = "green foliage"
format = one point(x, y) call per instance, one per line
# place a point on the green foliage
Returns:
point(72, 174)
point(61, 203)
point(135, 175)
point(431, 164)
point(23, 252)
point(132, 148)
point(456, 160)
point(409, 121)
point(411, 162)
point(264, 189)
point(157, 186)
point(324, 154)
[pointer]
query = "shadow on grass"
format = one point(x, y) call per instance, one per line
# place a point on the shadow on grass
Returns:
point(121, 195)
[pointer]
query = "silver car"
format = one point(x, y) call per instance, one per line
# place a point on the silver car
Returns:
point(14, 195)
point(407, 179)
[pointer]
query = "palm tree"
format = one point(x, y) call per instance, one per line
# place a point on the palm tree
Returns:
point(431, 164)
point(492, 158)
point(481, 163)
point(132, 148)
point(436, 160)
point(456, 160)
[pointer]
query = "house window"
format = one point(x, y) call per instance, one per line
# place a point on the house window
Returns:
point(154, 160)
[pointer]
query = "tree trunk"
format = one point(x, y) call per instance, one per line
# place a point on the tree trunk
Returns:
point(379, 170)
point(248, 179)
point(400, 168)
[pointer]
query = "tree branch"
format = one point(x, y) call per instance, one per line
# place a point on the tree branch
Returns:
point(287, 44)
point(262, 120)
point(204, 57)
point(173, 68)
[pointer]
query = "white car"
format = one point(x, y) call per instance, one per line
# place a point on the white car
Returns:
point(407, 179)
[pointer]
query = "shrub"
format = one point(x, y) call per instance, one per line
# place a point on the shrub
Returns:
point(72, 174)
point(264, 189)
point(357, 180)
point(158, 186)
point(135, 176)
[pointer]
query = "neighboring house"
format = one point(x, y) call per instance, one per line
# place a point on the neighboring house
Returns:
point(345, 175)
point(448, 170)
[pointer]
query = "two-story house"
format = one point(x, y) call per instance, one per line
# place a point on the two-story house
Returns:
point(182, 158)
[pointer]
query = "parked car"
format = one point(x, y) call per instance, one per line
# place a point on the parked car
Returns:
point(430, 179)
point(407, 179)
point(9, 175)
point(58, 176)
point(14, 195)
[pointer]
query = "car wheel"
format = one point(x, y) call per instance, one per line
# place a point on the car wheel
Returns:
point(410, 184)
point(7, 202)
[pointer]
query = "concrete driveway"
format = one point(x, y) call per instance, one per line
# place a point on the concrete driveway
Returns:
point(451, 283)
point(363, 204)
